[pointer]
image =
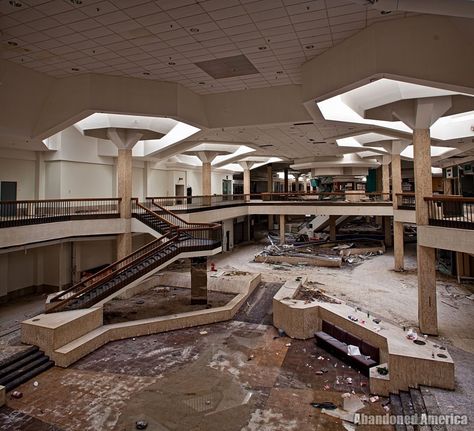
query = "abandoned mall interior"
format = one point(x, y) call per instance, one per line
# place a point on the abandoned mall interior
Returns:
point(236, 215)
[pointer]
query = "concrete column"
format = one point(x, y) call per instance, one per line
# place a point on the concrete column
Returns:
point(3, 275)
point(285, 181)
point(385, 180)
point(270, 222)
point(447, 186)
point(124, 191)
point(332, 227)
point(427, 306)
point(76, 262)
point(387, 228)
point(199, 280)
point(282, 229)
point(206, 178)
point(269, 179)
point(398, 229)
point(40, 176)
point(247, 184)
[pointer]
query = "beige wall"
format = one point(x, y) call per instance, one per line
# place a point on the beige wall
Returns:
point(21, 171)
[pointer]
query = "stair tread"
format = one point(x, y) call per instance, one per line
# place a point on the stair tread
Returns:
point(23, 361)
point(397, 410)
point(29, 375)
point(22, 370)
point(15, 357)
point(419, 406)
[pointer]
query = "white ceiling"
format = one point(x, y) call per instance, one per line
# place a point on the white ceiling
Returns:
point(162, 39)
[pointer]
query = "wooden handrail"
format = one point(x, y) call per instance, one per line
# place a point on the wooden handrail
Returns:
point(62, 200)
point(449, 198)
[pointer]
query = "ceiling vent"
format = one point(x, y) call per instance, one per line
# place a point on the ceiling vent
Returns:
point(228, 67)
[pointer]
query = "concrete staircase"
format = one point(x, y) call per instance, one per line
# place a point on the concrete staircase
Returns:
point(415, 402)
point(23, 366)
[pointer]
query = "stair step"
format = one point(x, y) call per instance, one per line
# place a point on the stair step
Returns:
point(17, 356)
point(22, 370)
point(20, 363)
point(419, 406)
point(29, 375)
point(397, 409)
point(407, 406)
point(432, 407)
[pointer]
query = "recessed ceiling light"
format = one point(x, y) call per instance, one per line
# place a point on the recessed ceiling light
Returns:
point(309, 46)
point(194, 30)
point(74, 69)
point(15, 3)
point(171, 63)
point(12, 43)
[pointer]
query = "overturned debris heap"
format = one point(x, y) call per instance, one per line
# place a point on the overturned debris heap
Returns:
point(327, 254)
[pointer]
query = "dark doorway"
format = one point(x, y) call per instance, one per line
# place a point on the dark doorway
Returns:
point(227, 240)
point(8, 193)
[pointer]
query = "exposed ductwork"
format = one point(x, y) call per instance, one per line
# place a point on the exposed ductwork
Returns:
point(458, 8)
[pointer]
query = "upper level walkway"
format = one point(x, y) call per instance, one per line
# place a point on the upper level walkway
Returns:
point(23, 222)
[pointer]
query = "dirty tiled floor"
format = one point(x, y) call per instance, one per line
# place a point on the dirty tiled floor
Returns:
point(238, 376)
point(231, 376)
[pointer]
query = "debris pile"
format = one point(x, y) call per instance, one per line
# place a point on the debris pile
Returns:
point(310, 294)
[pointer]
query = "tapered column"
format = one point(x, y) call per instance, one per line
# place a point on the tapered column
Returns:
point(246, 166)
point(332, 227)
point(269, 179)
point(398, 229)
point(427, 306)
point(386, 179)
point(282, 229)
point(124, 191)
point(199, 280)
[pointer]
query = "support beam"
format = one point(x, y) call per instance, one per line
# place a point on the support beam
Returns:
point(124, 191)
point(246, 166)
point(199, 280)
point(427, 306)
point(282, 229)
point(398, 228)
point(332, 227)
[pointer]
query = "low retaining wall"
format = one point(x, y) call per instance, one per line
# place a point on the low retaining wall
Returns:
point(409, 364)
point(82, 342)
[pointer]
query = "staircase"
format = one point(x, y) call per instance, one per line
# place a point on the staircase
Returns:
point(23, 366)
point(175, 236)
point(415, 402)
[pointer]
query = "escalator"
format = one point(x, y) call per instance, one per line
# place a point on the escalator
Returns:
point(175, 236)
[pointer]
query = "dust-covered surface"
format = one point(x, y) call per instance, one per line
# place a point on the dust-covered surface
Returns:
point(226, 376)
point(240, 375)
point(159, 301)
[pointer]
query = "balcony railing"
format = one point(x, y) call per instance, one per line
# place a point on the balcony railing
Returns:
point(451, 211)
point(20, 213)
point(405, 201)
point(190, 203)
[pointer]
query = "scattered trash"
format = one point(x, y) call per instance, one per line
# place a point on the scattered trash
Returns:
point(208, 402)
point(326, 387)
point(133, 339)
point(320, 357)
point(352, 403)
point(374, 399)
point(349, 380)
point(35, 384)
point(139, 301)
point(203, 332)
point(411, 334)
point(250, 357)
point(288, 344)
point(353, 318)
point(386, 408)
point(353, 350)
point(281, 332)
point(382, 371)
point(324, 370)
point(325, 405)
point(16, 394)
point(376, 321)
point(319, 373)
point(141, 425)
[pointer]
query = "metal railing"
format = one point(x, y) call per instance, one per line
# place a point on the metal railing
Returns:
point(21, 213)
point(451, 211)
point(405, 201)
